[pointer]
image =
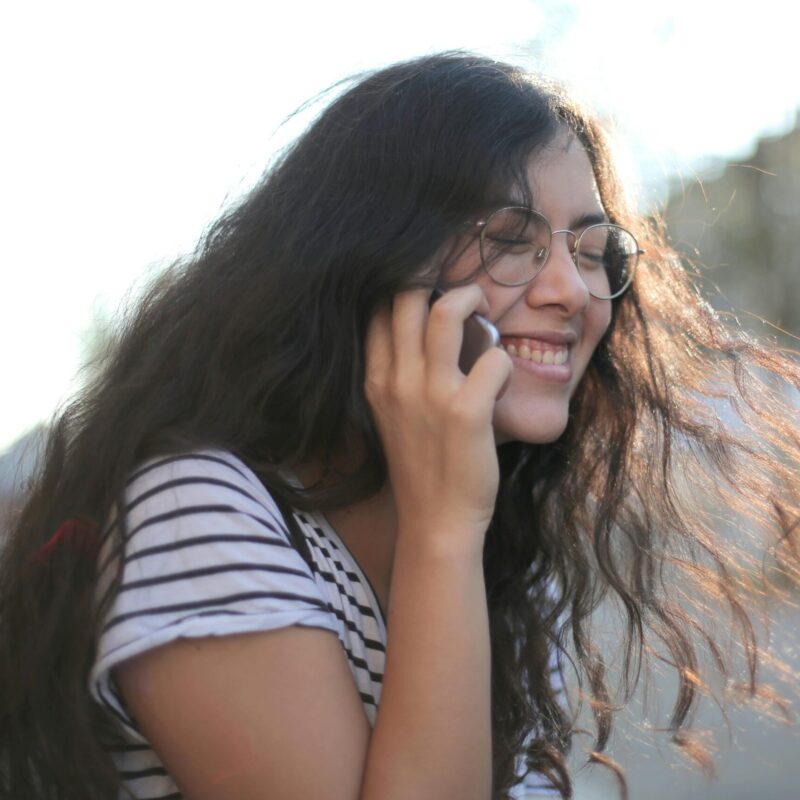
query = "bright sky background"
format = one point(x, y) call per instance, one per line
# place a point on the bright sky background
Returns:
point(127, 126)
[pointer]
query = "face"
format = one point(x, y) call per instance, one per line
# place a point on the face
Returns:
point(553, 318)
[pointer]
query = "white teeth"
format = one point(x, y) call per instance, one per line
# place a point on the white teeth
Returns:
point(557, 358)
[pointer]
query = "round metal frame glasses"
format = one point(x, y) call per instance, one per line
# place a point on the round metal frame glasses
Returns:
point(515, 243)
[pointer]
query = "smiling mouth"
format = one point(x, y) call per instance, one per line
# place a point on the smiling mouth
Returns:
point(537, 351)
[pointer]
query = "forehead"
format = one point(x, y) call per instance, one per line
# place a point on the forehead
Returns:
point(561, 174)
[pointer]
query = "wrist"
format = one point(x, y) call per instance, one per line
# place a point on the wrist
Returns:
point(441, 540)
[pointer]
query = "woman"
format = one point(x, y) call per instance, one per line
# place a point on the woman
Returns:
point(281, 461)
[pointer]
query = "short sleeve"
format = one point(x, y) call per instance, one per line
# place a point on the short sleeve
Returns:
point(207, 553)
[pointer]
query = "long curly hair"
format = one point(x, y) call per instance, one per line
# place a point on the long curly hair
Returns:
point(254, 344)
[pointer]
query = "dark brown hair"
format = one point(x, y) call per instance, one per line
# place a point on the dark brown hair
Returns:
point(255, 345)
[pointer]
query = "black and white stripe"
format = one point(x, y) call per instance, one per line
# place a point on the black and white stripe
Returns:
point(207, 552)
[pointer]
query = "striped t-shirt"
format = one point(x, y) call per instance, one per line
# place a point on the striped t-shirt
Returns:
point(207, 553)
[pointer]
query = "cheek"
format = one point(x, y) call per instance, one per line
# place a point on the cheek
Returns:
point(596, 322)
point(467, 263)
point(598, 318)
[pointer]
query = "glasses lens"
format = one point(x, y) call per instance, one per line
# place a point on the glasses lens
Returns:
point(514, 245)
point(607, 256)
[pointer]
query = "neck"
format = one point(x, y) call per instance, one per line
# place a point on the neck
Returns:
point(367, 527)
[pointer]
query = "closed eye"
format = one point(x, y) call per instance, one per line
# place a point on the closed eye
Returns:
point(502, 240)
point(592, 259)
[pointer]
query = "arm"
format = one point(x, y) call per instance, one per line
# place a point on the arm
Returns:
point(251, 717)
point(432, 736)
point(277, 714)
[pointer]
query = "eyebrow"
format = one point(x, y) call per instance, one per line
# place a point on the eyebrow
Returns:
point(585, 220)
point(582, 221)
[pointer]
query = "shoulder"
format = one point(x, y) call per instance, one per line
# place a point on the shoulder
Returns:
point(203, 551)
point(206, 490)
point(214, 472)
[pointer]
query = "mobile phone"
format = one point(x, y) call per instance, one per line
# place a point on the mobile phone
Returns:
point(479, 336)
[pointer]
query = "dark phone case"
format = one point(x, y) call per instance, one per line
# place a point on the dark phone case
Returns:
point(479, 336)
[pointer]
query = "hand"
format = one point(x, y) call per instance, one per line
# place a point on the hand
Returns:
point(434, 422)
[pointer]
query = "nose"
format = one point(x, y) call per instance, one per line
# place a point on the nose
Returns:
point(559, 281)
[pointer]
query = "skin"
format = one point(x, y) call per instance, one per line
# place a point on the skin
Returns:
point(277, 714)
point(535, 408)
point(532, 408)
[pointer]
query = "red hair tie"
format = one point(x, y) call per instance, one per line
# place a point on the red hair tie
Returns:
point(77, 534)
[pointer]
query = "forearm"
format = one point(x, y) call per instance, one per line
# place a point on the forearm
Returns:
point(432, 736)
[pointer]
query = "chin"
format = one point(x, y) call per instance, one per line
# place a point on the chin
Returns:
point(540, 425)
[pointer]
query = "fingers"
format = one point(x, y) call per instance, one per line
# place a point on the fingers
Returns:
point(395, 335)
point(492, 372)
point(435, 423)
point(409, 319)
point(411, 344)
point(378, 347)
point(445, 331)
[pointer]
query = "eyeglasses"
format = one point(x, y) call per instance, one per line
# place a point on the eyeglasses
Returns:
point(515, 245)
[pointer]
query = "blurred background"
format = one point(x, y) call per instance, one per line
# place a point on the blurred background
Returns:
point(130, 126)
